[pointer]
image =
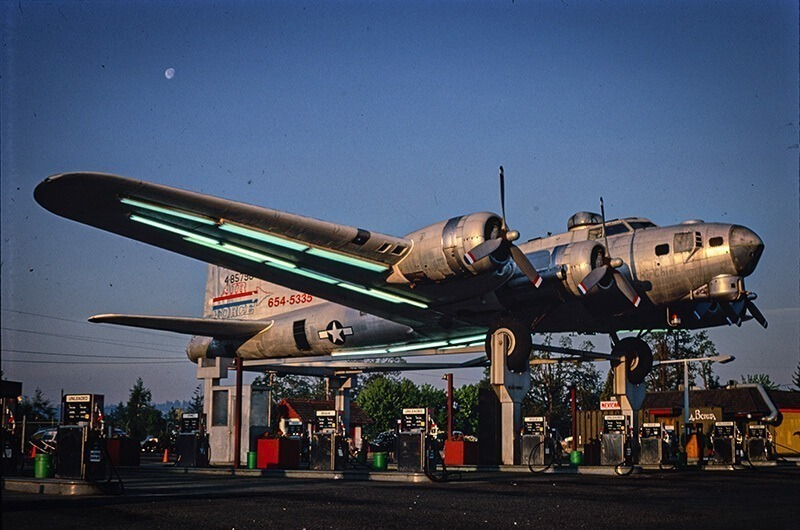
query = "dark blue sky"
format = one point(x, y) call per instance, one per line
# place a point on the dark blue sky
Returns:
point(389, 116)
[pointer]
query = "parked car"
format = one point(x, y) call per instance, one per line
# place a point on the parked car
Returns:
point(44, 440)
point(151, 444)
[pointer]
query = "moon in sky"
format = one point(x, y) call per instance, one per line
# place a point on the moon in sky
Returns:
point(169, 73)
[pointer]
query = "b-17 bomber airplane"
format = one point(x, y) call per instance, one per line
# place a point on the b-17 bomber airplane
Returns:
point(308, 290)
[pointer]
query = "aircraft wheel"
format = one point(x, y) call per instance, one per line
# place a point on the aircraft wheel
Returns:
point(519, 340)
point(638, 358)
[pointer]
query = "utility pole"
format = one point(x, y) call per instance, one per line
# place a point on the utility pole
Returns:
point(449, 379)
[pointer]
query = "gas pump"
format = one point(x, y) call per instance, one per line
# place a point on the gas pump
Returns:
point(192, 441)
point(723, 439)
point(756, 442)
point(613, 440)
point(80, 444)
point(534, 432)
point(328, 449)
point(650, 444)
point(695, 445)
point(411, 451)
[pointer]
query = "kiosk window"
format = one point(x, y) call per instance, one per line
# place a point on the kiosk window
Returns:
point(219, 408)
point(662, 250)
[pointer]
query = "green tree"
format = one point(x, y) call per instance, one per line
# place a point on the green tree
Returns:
point(196, 403)
point(291, 386)
point(37, 409)
point(465, 403)
point(796, 377)
point(550, 383)
point(140, 416)
point(680, 344)
point(434, 399)
point(383, 399)
point(761, 379)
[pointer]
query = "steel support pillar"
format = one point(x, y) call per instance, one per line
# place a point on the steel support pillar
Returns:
point(511, 389)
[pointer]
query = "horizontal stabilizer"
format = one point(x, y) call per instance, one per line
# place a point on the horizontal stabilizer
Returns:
point(190, 326)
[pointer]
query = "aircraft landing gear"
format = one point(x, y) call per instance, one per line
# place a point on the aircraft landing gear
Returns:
point(517, 337)
point(638, 358)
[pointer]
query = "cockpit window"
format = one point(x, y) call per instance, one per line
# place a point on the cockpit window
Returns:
point(612, 230)
point(684, 242)
point(638, 225)
point(715, 241)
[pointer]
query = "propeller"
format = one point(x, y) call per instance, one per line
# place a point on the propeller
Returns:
point(506, 238)
point(758, 315)
point(609, 266)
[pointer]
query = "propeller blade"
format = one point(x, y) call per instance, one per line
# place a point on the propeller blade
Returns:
point(730, 315)
point(482, 250)
point(525, 266)
point(592, 279)
point(701, 309)
point(758, 315)
point(626, 288)
point(603, 216)
point(503, 198)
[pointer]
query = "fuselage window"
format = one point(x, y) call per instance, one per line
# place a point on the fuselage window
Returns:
point(715, 241)
point(662, 250)
point(684, 242)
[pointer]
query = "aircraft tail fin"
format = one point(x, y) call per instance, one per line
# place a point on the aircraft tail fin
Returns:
point(232, 295)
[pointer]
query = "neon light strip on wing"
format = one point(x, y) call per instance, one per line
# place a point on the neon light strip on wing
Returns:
point(173, 229)
point(167, 211)
point(283, 265)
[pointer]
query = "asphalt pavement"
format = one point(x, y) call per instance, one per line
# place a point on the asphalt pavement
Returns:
point(168, 498)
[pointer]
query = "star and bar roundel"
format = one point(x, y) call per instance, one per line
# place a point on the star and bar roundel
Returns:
point(336, 332)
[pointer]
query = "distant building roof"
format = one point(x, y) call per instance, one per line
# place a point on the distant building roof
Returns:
point(306, 410)
point(785, 399)
point(736, 401)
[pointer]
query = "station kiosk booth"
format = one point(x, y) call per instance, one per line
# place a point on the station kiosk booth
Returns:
point(723, 436)
point(329, 450)
point(651, 450)
point(756, 442)
point(534, 433)
point(613, 440)
point(410, 451)
point(192, 441)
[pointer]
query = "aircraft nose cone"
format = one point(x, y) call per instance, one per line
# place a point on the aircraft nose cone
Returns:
point(746, 248)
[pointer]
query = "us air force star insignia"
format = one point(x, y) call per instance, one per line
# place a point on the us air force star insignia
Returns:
point(335, 332)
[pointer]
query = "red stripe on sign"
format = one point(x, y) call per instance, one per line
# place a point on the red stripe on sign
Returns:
point(232, 296)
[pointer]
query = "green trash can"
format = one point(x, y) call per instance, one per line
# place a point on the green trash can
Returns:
point(252, 459)
point(379, 462)
point(575, 458)
point(43, 466)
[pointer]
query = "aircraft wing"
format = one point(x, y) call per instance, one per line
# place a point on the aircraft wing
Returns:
point(343, 264)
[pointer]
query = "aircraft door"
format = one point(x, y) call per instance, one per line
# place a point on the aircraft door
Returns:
point(221, 428)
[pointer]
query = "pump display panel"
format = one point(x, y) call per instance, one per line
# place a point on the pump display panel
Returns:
point(414, 420)
point(534, 425)
point(614, 424)
point(724, 429)
point(326, 420)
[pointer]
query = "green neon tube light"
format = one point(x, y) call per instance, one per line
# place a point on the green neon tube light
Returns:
point(262, 236)
point(463, 340)
point(167, 211)
point(381, 295)
point(412, 347)
point(173, 229)
point(341, 258)
point(308, 274)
